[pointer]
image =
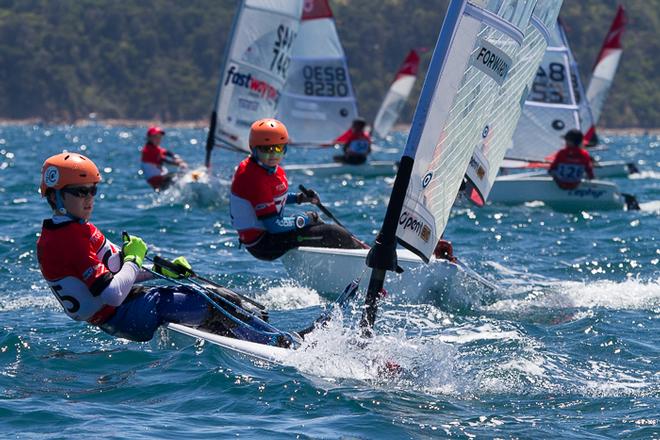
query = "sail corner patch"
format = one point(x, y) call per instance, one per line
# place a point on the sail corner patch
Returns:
point(492, 61)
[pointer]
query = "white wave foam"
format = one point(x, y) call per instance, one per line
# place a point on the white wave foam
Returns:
point(645, 175)
point(194, 187)
point(652, 206)
point(484, 332)
point(630, 294)
point(289, 297)
point(338, 353)
point(28, 302)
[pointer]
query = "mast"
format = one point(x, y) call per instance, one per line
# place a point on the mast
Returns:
point(382, 256)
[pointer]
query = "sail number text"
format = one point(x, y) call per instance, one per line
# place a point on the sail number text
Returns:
point(549, 86)
point(282, 50)
point(325, 81)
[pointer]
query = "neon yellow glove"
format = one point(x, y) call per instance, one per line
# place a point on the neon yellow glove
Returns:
point(134, 250)
point(179, 261)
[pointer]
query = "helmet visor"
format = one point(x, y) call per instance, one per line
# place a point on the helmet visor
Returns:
point(278, 149)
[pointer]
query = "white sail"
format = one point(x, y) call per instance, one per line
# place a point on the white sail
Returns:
point(552, 106)
point(318, 103)
point(605, 68)
point(470, 84)
point(396, 97)
point(255, 68)
point(496, 137)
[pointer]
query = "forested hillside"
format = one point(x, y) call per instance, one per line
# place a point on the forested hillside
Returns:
point(159, 59)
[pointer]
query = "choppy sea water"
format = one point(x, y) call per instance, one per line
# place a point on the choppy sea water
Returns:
point(567, 348)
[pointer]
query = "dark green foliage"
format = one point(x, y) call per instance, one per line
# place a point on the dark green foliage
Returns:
point(159, 59)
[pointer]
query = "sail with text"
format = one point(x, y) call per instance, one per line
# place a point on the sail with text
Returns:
point(254, 70)
point(318, 102)
point(467, 82)
point(605, 68)
point(555, 104)
point(497, 135)
point(397, 95)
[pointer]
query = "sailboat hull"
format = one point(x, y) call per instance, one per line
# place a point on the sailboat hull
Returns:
point(329, 271)
point(614, 168)
point(603, 170)
point(262, 352)
point(590, 195)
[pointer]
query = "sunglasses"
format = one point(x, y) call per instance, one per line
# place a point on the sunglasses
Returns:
point(81, 191)
point(277, 148)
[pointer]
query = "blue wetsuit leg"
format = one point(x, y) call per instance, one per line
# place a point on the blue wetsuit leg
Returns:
point(138, 318)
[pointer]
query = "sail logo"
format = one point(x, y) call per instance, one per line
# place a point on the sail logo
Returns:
point(418, 227)
point(426, 180)
point(477, 167)
point(491, 61)
point(262, 88)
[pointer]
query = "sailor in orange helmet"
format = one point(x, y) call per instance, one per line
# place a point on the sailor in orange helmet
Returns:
point(154, 157)
point(259, 193)
point(96, 281)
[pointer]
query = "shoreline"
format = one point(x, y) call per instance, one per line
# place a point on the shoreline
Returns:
point(137, 123)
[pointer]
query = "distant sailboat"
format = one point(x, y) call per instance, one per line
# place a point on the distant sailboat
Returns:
point(318, 102)
point(255, 69)
point(555, 104)
point(552, 106)
point(605, 68)
point(397, 95)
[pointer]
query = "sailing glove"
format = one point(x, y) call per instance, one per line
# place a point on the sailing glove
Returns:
point(186, 269)
point(134, 249)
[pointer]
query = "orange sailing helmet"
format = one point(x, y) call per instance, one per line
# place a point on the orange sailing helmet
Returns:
point(268, 131)
point(67, 169)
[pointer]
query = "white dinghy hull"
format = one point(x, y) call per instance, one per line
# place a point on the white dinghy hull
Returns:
point(614, 168)
point(590, 195)
point(602, 170)
point(331, 270)
point(262, 352)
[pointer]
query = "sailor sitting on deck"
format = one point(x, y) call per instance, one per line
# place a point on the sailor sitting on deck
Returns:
point(571, 162)
point(356, 143)
point(153, 158)
point(96, 281)
point(259, 193)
